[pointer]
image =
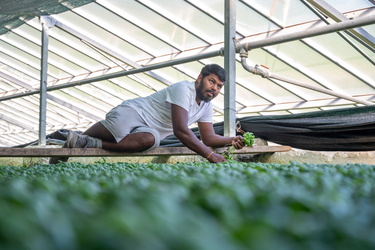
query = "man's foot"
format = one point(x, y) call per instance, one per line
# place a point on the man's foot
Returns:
point(75, 140)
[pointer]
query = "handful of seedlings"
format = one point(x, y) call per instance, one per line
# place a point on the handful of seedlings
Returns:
point(248, 139)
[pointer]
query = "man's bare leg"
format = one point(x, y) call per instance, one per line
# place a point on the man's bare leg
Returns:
point(131, 143)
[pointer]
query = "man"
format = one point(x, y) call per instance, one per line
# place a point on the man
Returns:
point(139, 124)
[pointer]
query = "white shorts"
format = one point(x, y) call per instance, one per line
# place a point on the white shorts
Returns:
point(123, 120)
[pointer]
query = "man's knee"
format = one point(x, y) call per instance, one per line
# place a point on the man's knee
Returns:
point(146, 140)
point(149, 137)
point(138, 142)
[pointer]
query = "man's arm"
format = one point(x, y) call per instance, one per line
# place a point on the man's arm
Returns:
point(211, 139)
point(188, 138)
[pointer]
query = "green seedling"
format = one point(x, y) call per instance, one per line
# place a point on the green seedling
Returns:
point(248, 139)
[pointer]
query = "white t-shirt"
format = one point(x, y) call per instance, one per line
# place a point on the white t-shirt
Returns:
point(156, 108)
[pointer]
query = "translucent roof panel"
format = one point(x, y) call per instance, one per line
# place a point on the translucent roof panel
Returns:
point(105, 37)
point(348, 6)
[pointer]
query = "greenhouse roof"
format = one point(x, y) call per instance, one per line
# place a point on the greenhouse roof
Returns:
point(90, 41)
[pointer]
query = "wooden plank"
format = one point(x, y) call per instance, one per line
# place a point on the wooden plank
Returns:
point(80, 152)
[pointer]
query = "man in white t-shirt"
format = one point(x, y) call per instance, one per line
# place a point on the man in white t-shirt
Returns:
point(139, 124)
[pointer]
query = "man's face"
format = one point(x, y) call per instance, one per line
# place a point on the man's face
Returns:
point(208, 88)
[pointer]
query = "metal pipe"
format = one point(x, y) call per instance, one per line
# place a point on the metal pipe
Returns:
point(43, 83)
point(230, 67)
point(359, 34)
point(258, 70)
point(341, 33)
point(219, 52)
point(103, 49)
point(361, 21)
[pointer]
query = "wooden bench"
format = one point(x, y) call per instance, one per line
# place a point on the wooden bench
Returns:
point(97, 152)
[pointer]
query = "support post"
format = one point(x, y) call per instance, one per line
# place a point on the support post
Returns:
point(230, 67)
point(43, 81)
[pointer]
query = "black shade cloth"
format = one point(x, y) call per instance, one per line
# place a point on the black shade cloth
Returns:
point(351, 129)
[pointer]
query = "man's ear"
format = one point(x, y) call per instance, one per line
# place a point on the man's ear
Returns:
point(199, 78)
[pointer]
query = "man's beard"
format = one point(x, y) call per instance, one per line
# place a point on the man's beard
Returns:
point(201, 94)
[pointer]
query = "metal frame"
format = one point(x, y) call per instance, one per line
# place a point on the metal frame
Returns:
point(229, 62)
point(259, 70)
point(230, 67)
point(43, 81)
point(359, 34)
point(349, 24)
point(361, 21)
point(340, 33)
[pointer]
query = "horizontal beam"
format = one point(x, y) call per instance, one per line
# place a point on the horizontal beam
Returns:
point(327, 29)
point(359, 33)
point(198, 57)
point(93, 152)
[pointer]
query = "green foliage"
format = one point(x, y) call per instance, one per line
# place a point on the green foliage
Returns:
point(248, 139)
point(196, 206)
point(228, 154)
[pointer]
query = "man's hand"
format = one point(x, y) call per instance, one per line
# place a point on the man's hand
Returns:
point(214, 158)
point(237, 142)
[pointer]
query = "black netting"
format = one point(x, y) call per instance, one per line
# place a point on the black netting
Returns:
point(351, 129)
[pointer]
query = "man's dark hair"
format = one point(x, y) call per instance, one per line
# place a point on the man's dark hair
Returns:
point(214, 69)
